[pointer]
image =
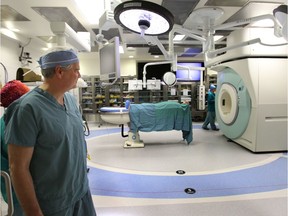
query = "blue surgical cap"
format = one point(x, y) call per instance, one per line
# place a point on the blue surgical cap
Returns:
point(62, 58)
point(212, 87)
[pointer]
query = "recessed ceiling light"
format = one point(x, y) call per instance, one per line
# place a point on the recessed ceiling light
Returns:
point(217, 37)
point(178, 37)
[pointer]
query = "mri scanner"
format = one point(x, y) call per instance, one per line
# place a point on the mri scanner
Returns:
point(251, 97)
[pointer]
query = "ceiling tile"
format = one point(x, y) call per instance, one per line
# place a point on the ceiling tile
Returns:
point(181, 9)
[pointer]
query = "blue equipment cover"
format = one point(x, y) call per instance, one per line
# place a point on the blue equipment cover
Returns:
point(161, 116)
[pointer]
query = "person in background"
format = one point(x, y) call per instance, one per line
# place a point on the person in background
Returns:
point(211, 116)
point(10, 92)
point(46, 143)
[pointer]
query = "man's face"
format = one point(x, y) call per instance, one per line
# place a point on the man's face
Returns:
point(71, 75)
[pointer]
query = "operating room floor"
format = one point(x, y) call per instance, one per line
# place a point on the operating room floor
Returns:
point(215, 176)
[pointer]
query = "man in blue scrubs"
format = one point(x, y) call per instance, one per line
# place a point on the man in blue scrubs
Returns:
point(46, 143)
point(211, 115)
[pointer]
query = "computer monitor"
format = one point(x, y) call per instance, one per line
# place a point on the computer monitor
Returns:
point(109, 56)
point(183, 75)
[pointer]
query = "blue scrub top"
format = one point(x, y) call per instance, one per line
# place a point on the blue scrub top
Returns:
point(58, 165)
point(211, 102)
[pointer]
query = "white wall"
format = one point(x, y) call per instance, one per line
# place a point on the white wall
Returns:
point(9, 57)
point(89, 62)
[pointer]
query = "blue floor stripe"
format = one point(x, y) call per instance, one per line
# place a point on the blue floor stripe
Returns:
point(268, 177)
point(264, 178)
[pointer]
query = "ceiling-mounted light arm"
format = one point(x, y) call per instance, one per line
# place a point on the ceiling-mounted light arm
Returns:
point(181, 30)
point(189, 33)
point(101, 40)
point(153, 40)
point(149, 64)
point(277, 25)
point(212, 54)
point(122, 38)
point(209, 44)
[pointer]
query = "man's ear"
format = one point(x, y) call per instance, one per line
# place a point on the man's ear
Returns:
point(58, 70)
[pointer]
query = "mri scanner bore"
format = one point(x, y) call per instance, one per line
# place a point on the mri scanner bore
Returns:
point(233, 104)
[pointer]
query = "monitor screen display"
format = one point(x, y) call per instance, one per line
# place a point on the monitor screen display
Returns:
point(109, 57)
point(152, 71)
point(182, 74)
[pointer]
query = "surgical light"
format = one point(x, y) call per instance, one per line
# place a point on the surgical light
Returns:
point(143, 17)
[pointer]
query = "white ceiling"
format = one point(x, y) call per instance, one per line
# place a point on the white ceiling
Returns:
point(38, 26)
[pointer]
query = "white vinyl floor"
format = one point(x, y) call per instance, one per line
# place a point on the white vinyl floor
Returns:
point(220, 178)
point(168, 177)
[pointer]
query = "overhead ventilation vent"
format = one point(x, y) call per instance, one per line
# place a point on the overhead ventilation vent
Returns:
point(60, 14)
point(226, 3)
point(9, 14)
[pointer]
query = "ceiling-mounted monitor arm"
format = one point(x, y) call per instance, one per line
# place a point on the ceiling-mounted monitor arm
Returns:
point(277, 25)
point(153, 40)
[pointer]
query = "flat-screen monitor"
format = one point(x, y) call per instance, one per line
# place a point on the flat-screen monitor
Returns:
point(110, 60)
point(152, 71)
point(183, 75)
